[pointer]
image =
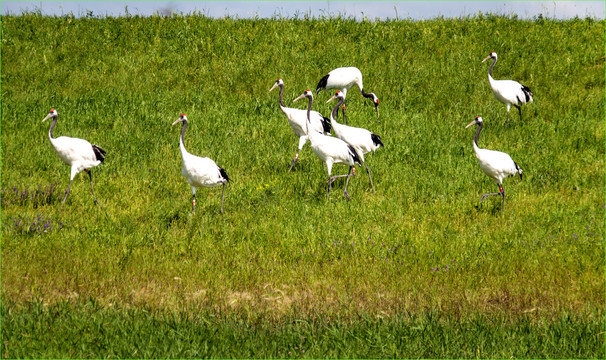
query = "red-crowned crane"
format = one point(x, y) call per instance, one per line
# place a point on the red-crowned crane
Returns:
point(200, 171)
point(496, 165)
point(343, 79)
point(297, 118)
point(77, 153)
point(508, 92)
point(362, 140)
point(331, 150)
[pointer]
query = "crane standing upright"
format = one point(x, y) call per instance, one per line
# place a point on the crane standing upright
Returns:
point(508, 92)
point(330, 149)
point(200, 171)
point(496, 165)
point(77, 153)
point(297, 118)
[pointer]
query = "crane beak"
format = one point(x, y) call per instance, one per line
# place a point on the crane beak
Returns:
point(377, 108)
point(332, 98)
point(300, 97)
point(471, 123)
point(47, 116)
point(273, 87)
point(176, 122)
point(488, 57)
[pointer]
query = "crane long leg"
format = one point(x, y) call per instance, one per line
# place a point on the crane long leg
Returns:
point(347, 182)
point(502, 193)
point(67, 192)
point(519, 110)
point(294, 160)
point(193, 202)
point(223, 197)
point(332, 179)
point(90, 175)
point(369, 178)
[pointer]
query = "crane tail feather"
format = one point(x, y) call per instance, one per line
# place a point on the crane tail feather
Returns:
point(223, 174)
point(527, 93)
point(354, 155)
point(99, 153)
point(326, 125)
point(376, 139)
point(322, 84)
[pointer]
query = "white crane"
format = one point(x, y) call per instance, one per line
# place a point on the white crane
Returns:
point(496, 165)
point(297, 118)
point(343, 79)
point(362, 140)
point(77, 153)
point(200, 171)
point(508, 92)
point(331, 150)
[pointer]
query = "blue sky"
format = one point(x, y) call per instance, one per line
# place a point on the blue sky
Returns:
point(358, 9)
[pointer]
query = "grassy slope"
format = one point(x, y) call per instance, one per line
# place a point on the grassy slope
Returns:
point(282, 247)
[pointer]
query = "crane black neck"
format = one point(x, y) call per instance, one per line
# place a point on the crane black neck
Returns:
point(281, 93)
point(494, 60)
point(366, 95)
point(475, 139)
point(52, 127)
point(311, 99)
point(183, 130)
point(333, 114)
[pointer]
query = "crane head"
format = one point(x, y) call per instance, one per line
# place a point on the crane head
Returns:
point(307, 94)
point(493, 55)
point(477, 121)
point(51, 114)
point(181, 118)
point(338, 95)
point(278, 82)
point(375, 100)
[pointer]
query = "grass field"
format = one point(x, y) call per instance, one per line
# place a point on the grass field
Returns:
point(285, 261)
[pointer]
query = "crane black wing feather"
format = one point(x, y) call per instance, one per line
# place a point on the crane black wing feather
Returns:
point(376, 139)
point(99, 153)
point(322, 84)
point(223, 174)
point(326, 124)
point(354, 155)
point(527, 93)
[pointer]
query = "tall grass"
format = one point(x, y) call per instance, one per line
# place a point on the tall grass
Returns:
point(283, 249)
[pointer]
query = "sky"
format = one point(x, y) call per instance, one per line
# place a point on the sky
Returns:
point(416, 10)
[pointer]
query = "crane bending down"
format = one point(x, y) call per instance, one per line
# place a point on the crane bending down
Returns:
point(331, 150)
point(200, 171)
point(297, 118)
point(362, 140)
point(77, 153)
point(496, 165)
point(508, 92)
point(344, 78)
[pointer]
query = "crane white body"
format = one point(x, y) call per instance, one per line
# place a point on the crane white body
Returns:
point(200, 171)
point(362, 140)
point(297, 118)
point(508, 92)
point(343, 79)
point(331, 150)
point(79, 154)
point(496, 165)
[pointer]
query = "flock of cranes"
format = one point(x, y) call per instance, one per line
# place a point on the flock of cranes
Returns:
point(347, 147)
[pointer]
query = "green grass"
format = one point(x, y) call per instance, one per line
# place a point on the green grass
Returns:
point(283, 250)
point(90, 330)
